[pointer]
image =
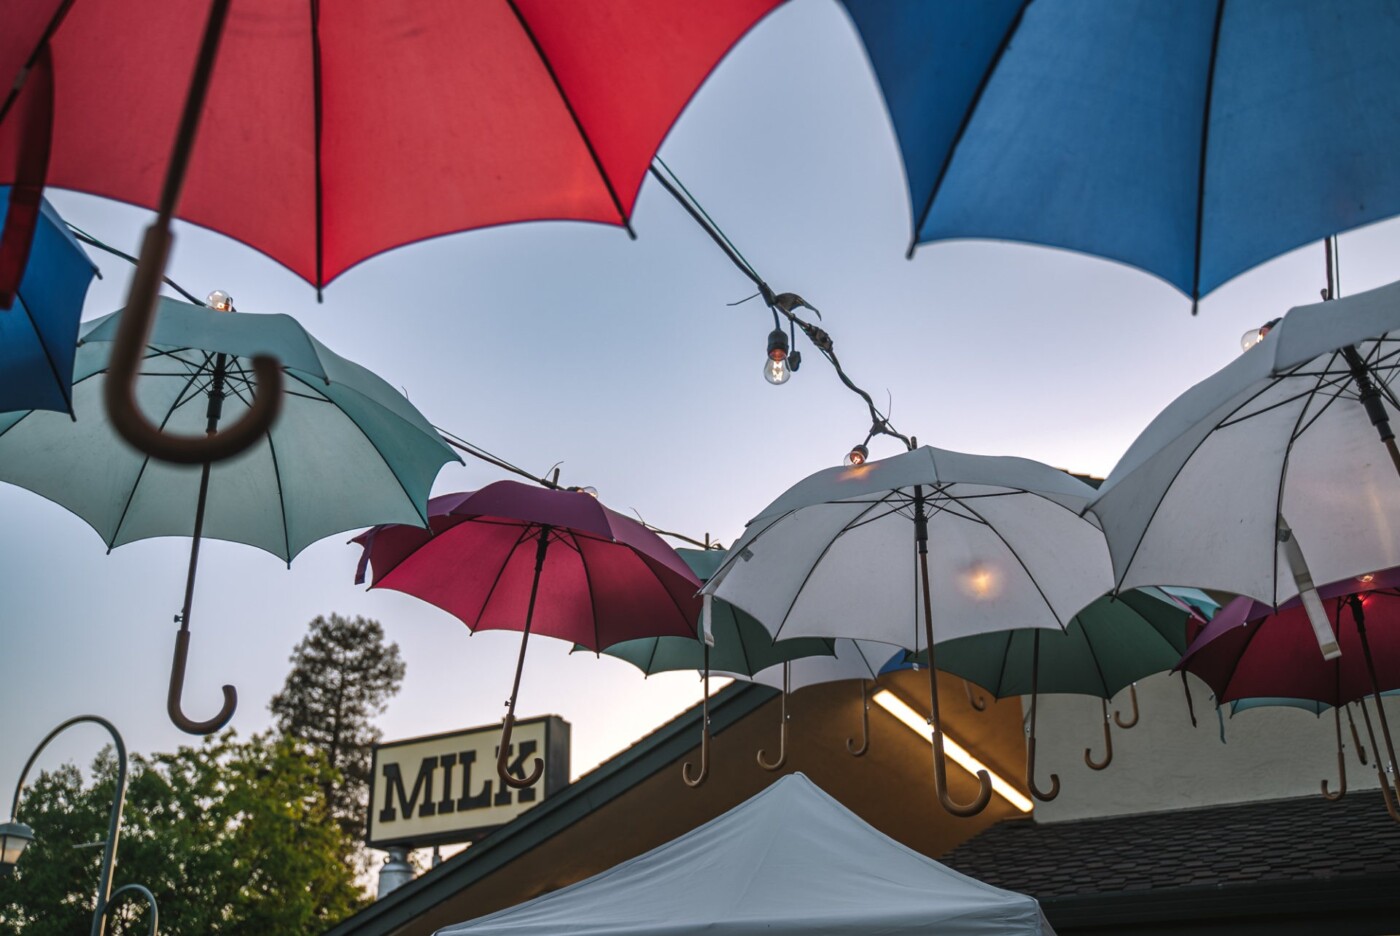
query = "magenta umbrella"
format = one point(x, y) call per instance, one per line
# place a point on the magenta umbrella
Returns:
point(1249, 650)
point(487, 559)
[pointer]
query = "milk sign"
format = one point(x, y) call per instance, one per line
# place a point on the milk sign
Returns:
point(444, 788)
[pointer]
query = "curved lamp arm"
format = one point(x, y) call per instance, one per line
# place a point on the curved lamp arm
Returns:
point(1341, 763)
point(119, 389)
point(114, 819)
point(1107, 743)
point(150, 902)
point(1118, 716)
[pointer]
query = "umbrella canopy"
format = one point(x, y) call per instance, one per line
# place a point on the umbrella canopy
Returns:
point(348, 449)
point(835, 555)
point(486, 559)
point(332, 132)
point(1192, 140)
point(741, 645)
point(321, 469)
point(849, 659)
point(976, 543)
point(1284, 433)
point(39, 332)
point(610, 579)
point(789, 861)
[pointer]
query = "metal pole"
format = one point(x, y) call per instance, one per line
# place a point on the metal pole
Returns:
point(114, 821)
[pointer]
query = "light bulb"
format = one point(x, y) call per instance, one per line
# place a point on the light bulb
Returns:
point(857, 456)
point(220, 301)
point(1251, 338)
point(589, 490)
point(1366, 579)
point(776, 372)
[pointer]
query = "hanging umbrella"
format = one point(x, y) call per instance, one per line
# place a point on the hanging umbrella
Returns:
point(1192, 140)
point(39, 330)
point(1267, 476)
point(1249, 651)
point(347, 450)
point(1107, 647)
point(737, 644)
point(862, 660)
point(1317, 708)
point(337, 131)
point(978, 544)
point(486, 559)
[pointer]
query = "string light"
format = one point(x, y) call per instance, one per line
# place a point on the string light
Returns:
point(219, 301)
point(857, 456)
point(775, 369)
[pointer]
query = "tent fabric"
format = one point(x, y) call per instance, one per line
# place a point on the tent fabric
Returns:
point(791, 860)
point(1192, 139)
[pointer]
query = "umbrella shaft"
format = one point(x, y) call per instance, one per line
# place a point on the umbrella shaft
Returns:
point(194, 546)
point(216, 393)
point(540, 551)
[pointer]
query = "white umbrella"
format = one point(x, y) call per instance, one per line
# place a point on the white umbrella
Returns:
point(979, 543)
point(1273, 458)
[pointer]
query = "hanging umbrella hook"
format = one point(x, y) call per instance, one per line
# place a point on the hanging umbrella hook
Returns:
point(976, 700)
point(1341, 763)
point(119, 389)
point(782, 730)
point(864, 726)
point(1118, 716)
point(1054, 791)
point(173, 704)
point(1387, 764)
point(503, 752)
point(503, 759)
point(1107, 741)
point(704, 735)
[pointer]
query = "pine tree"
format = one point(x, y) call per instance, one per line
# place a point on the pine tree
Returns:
point(342, 675)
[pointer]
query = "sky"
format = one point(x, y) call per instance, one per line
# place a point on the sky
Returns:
point(568, 343)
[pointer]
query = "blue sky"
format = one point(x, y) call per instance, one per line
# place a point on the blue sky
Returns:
point(555, 342)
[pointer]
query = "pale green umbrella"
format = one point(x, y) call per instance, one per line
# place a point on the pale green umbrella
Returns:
point(347, 451)
point(737, 644)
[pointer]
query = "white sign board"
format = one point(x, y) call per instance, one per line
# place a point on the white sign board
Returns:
point(444, 788)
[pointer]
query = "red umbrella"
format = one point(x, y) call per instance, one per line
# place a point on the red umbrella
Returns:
point(1249, 650)
point(335, 131)
point(487, 559)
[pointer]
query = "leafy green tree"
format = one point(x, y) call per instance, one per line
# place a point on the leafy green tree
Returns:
point(230, 836)
point(343, 675)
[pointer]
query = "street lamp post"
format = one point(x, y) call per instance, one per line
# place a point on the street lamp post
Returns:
point(14, 835)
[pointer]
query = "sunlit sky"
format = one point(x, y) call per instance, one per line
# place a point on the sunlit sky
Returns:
point(566, 342)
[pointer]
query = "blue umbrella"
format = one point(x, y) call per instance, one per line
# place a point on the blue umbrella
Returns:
point(1192, 139)
point(39, 333)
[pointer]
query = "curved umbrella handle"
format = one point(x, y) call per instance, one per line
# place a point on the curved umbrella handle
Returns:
point(177, 689)
point(1341, 763)
point(1054, 790)
point(503, 758)
point(1107, 742)
point(851, 747)
point(119, 389)
point(704, 734)
point(782, 733)
point(979, 702)
point(1386, 795)
point(1118, 716)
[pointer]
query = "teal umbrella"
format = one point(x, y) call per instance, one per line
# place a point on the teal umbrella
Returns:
point(347, 451)
point(737, 644)
point(1107, 647)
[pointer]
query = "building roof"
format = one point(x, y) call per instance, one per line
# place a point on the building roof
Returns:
point(1279, 857)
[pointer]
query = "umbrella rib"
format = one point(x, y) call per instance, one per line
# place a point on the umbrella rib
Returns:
point(1231, 421)
point(966, 121)
point(592, 599)
point(1205, 142)
point(1278, 498)
point(1005, 662)
point(825, 549)
point(524, 533)
point(658, 573)
point(281, 498)
point(146, 461)
point(421, 511)
point(1019, 560)
point(573, 115)
point(1089, 645)
point(63, 386)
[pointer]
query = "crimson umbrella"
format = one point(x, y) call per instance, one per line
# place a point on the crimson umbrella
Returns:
point(1250, 650)
point(487, 560)
point(336, 131)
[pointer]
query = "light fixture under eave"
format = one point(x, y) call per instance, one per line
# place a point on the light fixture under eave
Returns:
point(14, 836)
point(962, 756)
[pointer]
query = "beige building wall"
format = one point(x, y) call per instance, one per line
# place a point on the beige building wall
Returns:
point(1164, 763)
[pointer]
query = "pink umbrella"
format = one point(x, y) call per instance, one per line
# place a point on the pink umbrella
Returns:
point(607, 579)
point(1249, 650)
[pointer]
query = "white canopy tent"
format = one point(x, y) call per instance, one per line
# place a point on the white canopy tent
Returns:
point(791, 860)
